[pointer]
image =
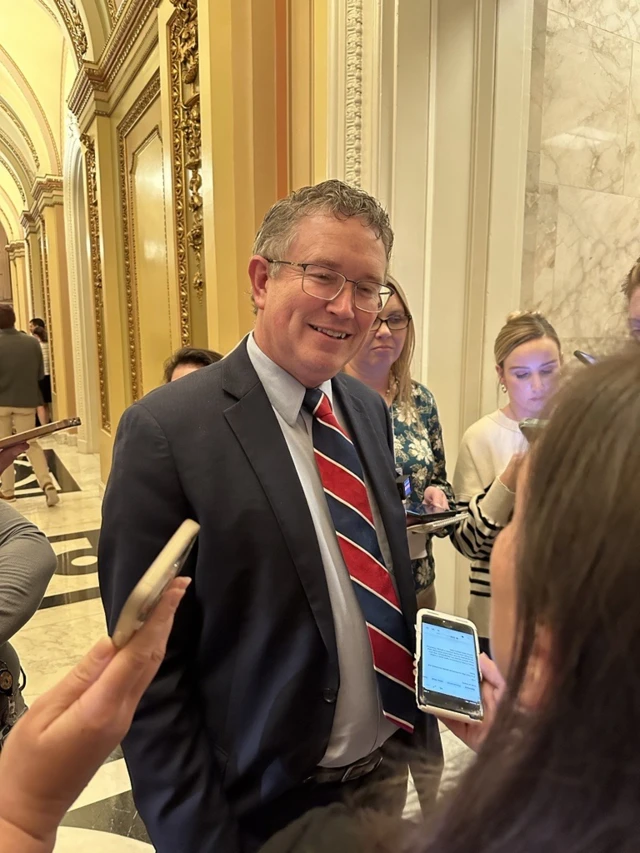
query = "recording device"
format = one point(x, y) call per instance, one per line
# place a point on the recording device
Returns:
point(403, 484)
point(448, 675)
point(38, 432)
point(148, 591)
point(531, 428)
point(585, 357)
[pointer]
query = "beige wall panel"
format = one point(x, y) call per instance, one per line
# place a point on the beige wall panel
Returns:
point(150, 259)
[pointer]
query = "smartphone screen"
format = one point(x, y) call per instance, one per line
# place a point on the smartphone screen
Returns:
point(449, 676)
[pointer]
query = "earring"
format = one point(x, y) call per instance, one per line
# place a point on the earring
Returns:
point(503, 388)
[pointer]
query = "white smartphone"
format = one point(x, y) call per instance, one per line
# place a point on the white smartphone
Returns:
point(148, 591)
point(447, 670)
point(38, 432)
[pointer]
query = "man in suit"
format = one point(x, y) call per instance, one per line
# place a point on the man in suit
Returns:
point(268, 703)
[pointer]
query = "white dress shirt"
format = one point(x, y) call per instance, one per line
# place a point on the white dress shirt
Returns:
point(359, 726)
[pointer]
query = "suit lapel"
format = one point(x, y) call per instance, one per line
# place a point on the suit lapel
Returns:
point(254, 423)
point(377, 461)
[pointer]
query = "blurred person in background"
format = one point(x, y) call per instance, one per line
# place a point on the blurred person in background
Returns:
point(27, 563)
point(384, 364)
point(186, 360)
point(631, 291)
point(528, 359)
point(43, 412)
point(21, 369)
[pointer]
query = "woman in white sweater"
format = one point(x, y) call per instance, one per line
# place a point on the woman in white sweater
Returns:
point(528, 358)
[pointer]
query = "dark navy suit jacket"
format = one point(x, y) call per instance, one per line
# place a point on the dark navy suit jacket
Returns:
point(242, 708)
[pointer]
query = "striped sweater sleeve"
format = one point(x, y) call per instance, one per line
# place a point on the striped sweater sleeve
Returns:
point(479, 490)
point(489, 512)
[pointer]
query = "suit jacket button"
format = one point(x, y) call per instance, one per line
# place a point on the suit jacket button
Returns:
point(329, 695)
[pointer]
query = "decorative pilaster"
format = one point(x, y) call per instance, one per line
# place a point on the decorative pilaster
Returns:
point(187, 157)
point(17, 262)
point(48, 210)
point(354, 93)
point(96, 273)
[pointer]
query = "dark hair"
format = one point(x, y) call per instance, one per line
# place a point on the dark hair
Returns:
point(7, 316)
point(565, 775)
point(631, 281)
point(189, 355)
point(41, 333)
point(37, 321)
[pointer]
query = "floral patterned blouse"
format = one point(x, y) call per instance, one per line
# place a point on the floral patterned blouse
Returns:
point(420, 452)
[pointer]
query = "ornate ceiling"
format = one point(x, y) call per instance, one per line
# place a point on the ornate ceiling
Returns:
point(42, 43)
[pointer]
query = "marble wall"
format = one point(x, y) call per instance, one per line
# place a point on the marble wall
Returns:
point(582, 222)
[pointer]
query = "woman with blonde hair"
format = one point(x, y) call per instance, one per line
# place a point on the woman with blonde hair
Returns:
point(528, 357)
point(384, 364)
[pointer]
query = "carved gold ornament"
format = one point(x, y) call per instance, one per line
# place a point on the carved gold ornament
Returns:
point(186, 140)
point(75, 27)
point(96, 272)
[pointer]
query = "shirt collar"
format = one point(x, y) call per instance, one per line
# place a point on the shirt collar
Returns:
point(284, 391)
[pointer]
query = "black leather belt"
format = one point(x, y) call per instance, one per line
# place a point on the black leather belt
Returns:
point(339, 775)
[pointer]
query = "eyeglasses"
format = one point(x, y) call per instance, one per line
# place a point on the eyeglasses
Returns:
point(327, 284)
point(395, 322)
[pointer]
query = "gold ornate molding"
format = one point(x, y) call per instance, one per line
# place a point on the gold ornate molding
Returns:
point(47, 296)
point(4, 106)
point(28, 222)
point(47, 191)
point(186, 36)
point(75, 27)
point(29, 261)
point(96, 272)
point(99, 76)
point(113, 11)
point(354, 93)
point(8, 144)
point(16, 249)
point(187, 156)
point(12, 172)
point(147, 96)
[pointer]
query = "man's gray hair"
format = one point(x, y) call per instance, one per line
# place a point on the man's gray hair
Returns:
point(332, 197)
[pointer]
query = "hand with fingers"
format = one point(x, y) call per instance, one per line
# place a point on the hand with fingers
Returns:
point(435, 499)
point(493, 687)
point(58, 745)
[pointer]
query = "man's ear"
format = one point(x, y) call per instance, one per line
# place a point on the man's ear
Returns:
point(500, 373)
point(538, 674)
point(259, 276)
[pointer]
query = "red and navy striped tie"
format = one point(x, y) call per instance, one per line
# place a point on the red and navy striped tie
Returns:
point(346, 493)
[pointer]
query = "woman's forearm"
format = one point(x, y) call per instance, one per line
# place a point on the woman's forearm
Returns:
point(15, 840)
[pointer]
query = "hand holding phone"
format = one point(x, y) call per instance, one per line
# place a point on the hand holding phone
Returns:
point(38, 432)
point(447, 671)
point(148, 591)
point(492, 689)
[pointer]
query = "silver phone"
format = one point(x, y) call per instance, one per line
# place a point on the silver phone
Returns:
point(148, 591)
point(448, 675)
